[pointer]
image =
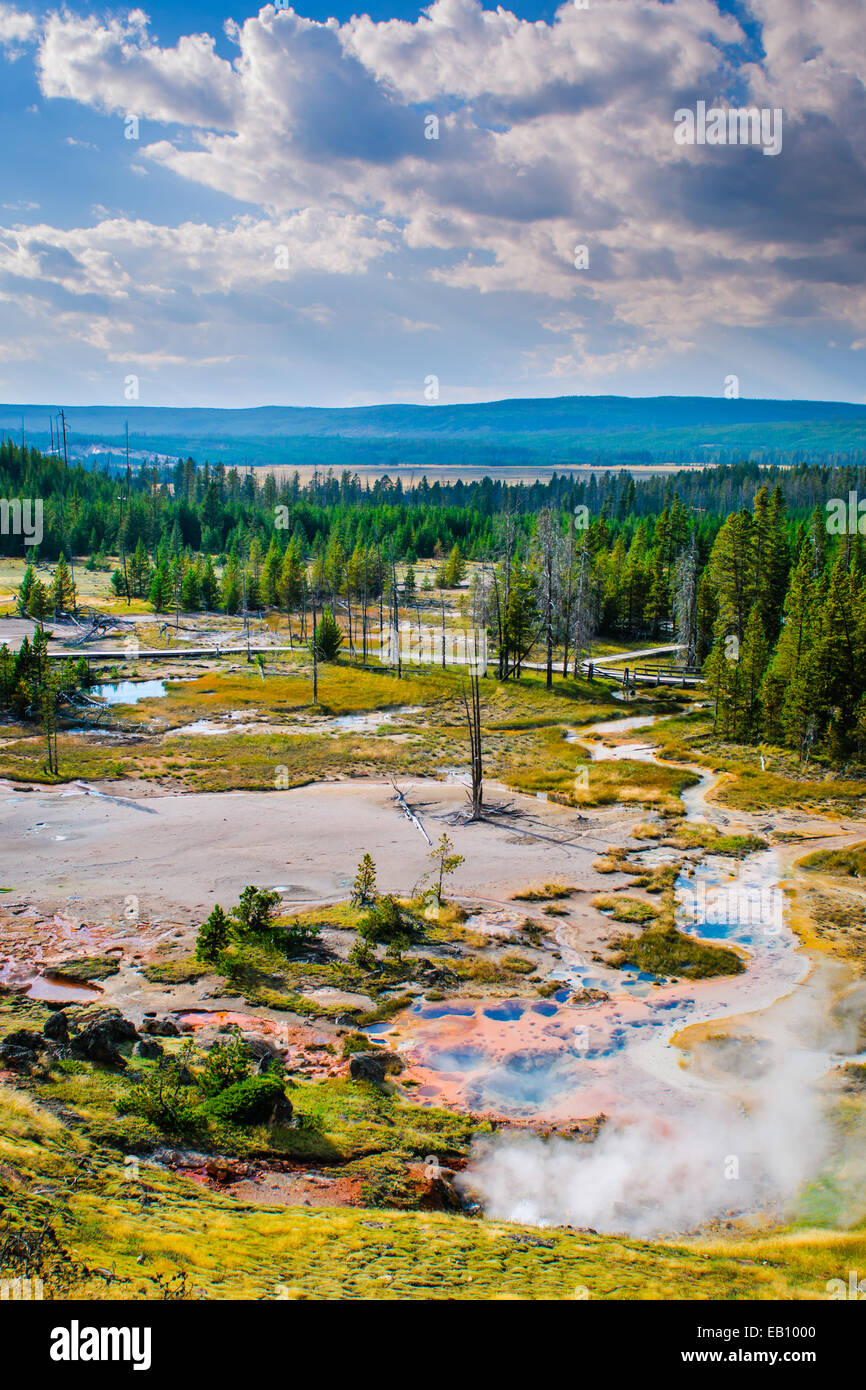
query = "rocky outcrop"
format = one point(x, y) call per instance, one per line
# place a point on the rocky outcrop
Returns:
point(56, 1028)
point(99, 1040)
point(159, 1027)
point(374, 1067)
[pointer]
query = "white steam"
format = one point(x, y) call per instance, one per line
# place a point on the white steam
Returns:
point(704, 1156)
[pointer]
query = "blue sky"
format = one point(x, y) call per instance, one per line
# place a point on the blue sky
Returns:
point(282, 229)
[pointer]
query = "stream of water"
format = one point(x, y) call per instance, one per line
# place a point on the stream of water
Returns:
point(552, 1059)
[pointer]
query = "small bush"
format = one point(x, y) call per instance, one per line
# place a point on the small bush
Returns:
point(227, 1064)
point(255, 910)
point(386, 922)
point(355, 1042)
point(248, 1102)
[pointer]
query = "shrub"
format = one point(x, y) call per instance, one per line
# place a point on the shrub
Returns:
point(296, 935)
point(227, 1063)
point(255, 910)
point(362, 956)
point(385, 922)
point(163, 1094)
point(248, 1102)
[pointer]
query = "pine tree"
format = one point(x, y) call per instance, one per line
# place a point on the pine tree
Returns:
point(271, 571)
point(770, 558)
point(732, 572)
point(839, 657)
point(161, 591)
point(230, 586)
point(754, 657)
point(63, 594)
point(292, 577)
point(140, 571)
point(787, 697)
point(40, 605)
point(190, 590)
point(328, 638)
point(364, 886)
point(209, 586)
point(214, 935)
point(455, 568)
point(22, 600)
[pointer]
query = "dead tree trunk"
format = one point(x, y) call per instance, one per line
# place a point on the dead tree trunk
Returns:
point(472, 706)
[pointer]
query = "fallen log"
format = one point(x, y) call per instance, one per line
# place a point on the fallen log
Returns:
point(409, 813)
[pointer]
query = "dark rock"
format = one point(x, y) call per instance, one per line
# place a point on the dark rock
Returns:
point(160, 1028)
point(283, 1110)
point(97, 1044)
point(374, 1066)
point(57, 1028)
point(113, 1025)
point(148, 1049)
point(16, 1058)
point(442, 1195)
point(26, 1039)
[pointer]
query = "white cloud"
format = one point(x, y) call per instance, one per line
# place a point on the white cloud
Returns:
point(550, 135)
point(15, 27)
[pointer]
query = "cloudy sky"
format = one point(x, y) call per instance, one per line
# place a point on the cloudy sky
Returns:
point(241, 206)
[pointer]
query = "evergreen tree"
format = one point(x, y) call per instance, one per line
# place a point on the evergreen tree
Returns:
point(209, 586)
point(364, 886)
point(271, 571)
point(161, 589)
point(63, 593)
point(40, 605)
point(214, 935)
point(230, 587)
point(327, 637)
point(22, 600)
point(754, 657)
point(190, 590)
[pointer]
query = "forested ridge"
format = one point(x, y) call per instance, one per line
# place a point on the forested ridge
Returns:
point(739, 563)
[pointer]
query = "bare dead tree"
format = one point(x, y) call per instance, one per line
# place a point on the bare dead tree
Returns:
point(685, 600)
point(472, 706)
point(583, 622)
point(548, 559)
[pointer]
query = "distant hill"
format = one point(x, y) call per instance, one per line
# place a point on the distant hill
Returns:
point(553, 431)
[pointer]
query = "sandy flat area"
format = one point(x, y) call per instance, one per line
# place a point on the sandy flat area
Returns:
point(179, 854)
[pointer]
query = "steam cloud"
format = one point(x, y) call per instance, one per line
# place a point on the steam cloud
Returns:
point(651, 1173)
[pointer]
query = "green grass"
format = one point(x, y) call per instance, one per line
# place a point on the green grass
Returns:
point(625, 909)
point(167, 1228)
point(550, 892)
point(89, 967)
point(666, 951)
point(176, 972)
point(839, 863)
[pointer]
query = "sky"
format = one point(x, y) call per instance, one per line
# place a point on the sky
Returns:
point(226, 205)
